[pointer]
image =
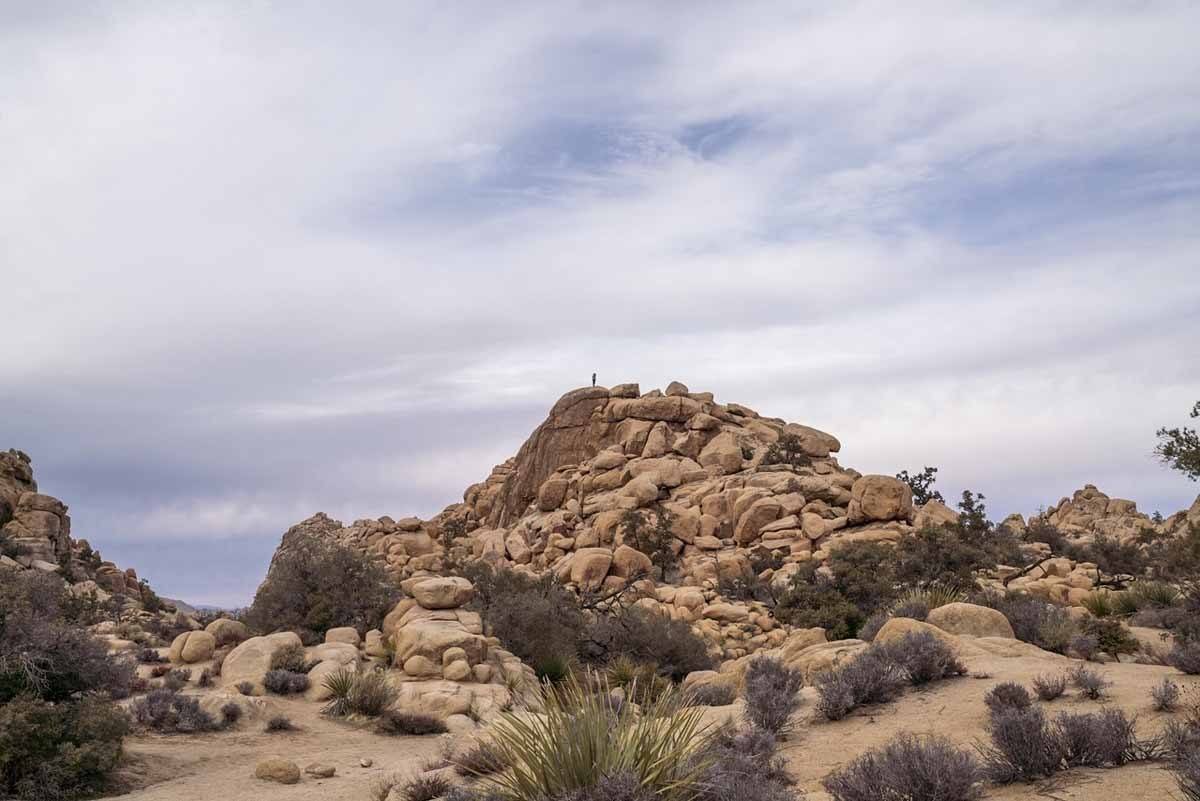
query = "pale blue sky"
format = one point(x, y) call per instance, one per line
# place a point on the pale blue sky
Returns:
point(260, 260)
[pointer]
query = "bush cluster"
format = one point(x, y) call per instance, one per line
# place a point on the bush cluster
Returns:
point(771, 693)
point(285, 682)
point(409, 724)
point(879, 673)
point(166, 711)
point(60, 732)
point(1025, 746)
point(350, 692)
point(316, 584)
point(909, 767)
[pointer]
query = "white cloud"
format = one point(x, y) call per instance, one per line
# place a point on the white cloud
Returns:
point(959, 234)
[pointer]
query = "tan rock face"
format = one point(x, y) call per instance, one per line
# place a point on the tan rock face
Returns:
point(964, 618)
point(227, 631)
point(345, 634)
point(193, 646)
point(448, 592)
point(589, 567)
point(252, 659)
point(898, 628)
point(723, 453)
point(880, 498)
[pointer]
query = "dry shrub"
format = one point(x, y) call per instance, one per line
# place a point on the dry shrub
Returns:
point(280, 723)
point(167, 711)
point(924, 658)
point(1024, 746)
point(1185, 657)
point(1007, 695)
point(1091, 685)
point(1050, 687)
point(771, 694)
point(285, 682)
point(869, 678)
point(409, 724)
point(1165, 695)
point(909, 767)
point(714, 694)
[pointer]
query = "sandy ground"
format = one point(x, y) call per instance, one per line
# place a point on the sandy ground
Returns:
point(220, 767)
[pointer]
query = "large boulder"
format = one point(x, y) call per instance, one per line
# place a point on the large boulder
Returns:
point(589, 566)
point(252, 659)
point(193, 646)
point(723, 452)
point(898, 628)
point(228, 631)
point(446, 592)
point(879, 498)
point(977, 621)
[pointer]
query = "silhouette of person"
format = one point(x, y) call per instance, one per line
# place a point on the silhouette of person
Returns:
point(593, 379)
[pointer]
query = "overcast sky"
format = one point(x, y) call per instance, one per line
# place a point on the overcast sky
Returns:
point(263, 259)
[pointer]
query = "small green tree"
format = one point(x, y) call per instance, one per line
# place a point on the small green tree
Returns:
point(1179, 448)
point(654, 542)
point(787, 450)
point(922, 485)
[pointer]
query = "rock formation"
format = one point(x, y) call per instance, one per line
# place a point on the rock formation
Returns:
point(36, 531)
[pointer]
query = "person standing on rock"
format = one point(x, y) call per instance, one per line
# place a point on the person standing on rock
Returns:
point(593, 379)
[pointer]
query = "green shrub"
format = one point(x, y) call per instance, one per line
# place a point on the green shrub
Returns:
point(362, 693)
point(537, 619)
point(787, 450)
point(317, 584)
point(581, 739)
point(921, 485)
point(1111, 636)
point(59, 750)
point(647, 637)
point(291, 658)
point(1099, 603)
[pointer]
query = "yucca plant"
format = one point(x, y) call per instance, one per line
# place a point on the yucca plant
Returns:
point(1125, 603)
point(583, 738)
point(1099, 603)
point(932, 596)
point(340, 685)
point(1154, 594)
point(639, 680)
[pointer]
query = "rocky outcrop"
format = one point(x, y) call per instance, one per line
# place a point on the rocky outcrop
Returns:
point(1089, 512)
point(36, 533)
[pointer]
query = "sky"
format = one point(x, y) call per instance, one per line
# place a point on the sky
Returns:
point(259, 260)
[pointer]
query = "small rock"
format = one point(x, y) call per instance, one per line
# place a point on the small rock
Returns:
point(366, 762)
point(279, 770)
point(321, 771)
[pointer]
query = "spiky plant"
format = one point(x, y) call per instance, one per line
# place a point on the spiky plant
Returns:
point(1099, 603)
point(583, 737)
point(1125, 604)
point(1154, 594)
point(932, 596)
point(339, 684)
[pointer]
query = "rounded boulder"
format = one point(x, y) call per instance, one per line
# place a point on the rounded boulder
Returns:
point(193, 646)
point(977, 621)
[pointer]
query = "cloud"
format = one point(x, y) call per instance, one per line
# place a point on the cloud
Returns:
point(257, 264)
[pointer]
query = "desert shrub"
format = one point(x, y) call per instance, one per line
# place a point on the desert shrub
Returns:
point(909, 767)
point(1049, 688)
point(1024, 746)
point(425, 788)
point(914, 609)
point(158, 671)
point(712, 694)
point(872, 625)
point(316, 584)
point(409, 724)
point(59, 750)
point(231, 713)
point(480, 758)
point(870, 678)
point(1034, 621)
point(538, 619)
point(1165, 695)
point(205, 679)
point(339, 685)
point(362, 693)
point(742, 764)
point(921, 485)
point(861, 580)
point(290, 657)
point(43, 654)
point(1007, 695)
point(279, 723)
point(1185, 657)
point(1114, 556)
point(1187, 774)
point(177, 679)
point(150, 656)
point(218, 660)
point(167, 711)
point(138, 685)
point(1084, 646)
point(923, 658)
point(581, 738)
point(245, 687)
point(1091, 685)
point(654, 541)
point(1112, 637)
point(285, 682)
point(647, 637)
point(1098, 602)
point(640, 682)
point(1097, 740)
point(1154, 595)
point(787, 450)
point(1178, 557)
point(771, 694)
